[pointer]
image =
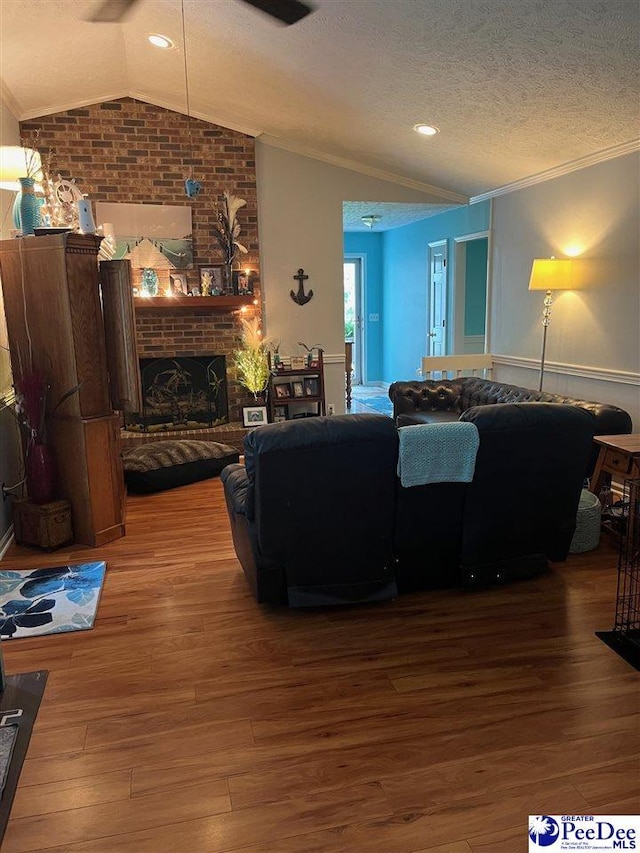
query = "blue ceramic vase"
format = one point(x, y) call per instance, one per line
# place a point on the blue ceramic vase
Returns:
point(29, 207)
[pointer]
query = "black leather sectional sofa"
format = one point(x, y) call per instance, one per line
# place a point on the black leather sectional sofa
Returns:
point(318, 514)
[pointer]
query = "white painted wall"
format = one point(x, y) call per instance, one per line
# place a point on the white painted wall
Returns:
point(594, 332)
point(10, 454)
point(300, 224)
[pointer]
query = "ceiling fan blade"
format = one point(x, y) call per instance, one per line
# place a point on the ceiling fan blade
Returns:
point(112, 11)
point(287, 11)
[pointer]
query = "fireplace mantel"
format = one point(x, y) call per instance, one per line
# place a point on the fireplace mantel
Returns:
point(178, 303)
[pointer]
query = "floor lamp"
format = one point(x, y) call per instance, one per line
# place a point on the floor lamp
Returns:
point(549, 274)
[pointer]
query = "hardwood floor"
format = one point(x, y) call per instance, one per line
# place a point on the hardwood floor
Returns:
point(192, 719)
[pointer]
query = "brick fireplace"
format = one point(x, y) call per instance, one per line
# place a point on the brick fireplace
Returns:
point(130, 151)
point(181, 392)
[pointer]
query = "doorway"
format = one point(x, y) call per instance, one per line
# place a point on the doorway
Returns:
point(437, 299)
point(353, 308)
point(469, 323)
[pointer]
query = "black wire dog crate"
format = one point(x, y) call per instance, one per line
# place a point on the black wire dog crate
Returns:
point(625, 636)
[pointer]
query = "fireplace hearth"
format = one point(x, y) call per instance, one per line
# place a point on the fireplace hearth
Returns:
point(181, 393)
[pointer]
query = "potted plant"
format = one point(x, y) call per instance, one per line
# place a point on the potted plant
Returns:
point(252, 358)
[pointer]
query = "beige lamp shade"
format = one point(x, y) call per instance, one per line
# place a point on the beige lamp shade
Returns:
point(14, 160)
point(552, 274)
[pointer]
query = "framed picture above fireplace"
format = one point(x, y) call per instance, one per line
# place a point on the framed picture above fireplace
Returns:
point(151, 236)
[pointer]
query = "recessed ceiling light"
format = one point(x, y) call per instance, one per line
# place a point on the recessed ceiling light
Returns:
point(426, 129)
point(160, 41)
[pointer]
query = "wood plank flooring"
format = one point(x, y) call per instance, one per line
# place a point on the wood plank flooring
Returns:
point(192, 719)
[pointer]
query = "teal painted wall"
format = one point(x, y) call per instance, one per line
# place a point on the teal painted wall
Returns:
point(475, 293)
point(370, 247)
point(405, 253)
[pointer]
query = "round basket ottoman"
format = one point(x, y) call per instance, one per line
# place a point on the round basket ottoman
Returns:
point(587, 535)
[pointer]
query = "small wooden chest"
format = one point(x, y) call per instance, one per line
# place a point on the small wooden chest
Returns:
point(45, 525)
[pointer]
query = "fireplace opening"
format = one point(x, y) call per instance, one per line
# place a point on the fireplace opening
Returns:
point(181, 393)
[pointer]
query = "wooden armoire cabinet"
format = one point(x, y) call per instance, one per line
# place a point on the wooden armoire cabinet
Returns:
point(55, 324)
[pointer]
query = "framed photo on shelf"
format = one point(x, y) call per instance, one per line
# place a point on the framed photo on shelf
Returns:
point(242, 282)
point(179, 286)
point(280, 414)
point(283, 390)
point(298, 389)
point(298, 362)
point(311, 386)
point(211, 281)
point(253, 416)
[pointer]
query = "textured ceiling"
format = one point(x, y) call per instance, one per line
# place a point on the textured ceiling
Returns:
point(391, 215)
point(515, 87)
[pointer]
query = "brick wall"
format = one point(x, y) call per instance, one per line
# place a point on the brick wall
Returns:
point(130, 151)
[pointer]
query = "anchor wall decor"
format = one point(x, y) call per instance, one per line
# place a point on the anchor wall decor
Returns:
point(301, 297)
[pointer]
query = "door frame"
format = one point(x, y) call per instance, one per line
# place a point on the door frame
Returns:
point(435, 244)
point(360, 336)
point(456, 326)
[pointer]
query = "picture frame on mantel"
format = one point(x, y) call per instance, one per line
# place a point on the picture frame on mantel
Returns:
point(179, 285)
point(211, 279)
point(242, 282)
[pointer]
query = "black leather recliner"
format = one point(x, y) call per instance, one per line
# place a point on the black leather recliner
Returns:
point(520, 508)
point(312, 514)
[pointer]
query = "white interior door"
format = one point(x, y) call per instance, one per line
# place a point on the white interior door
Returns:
point(437, 302)
point(354, 327)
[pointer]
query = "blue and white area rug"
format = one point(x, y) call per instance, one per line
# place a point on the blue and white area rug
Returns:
point(49, 601)
point(379, 404)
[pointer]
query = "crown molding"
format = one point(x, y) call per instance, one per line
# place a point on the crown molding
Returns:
point(601, 374)
point(564, 169)
point(9, 101)
point(228, 122)
point(354, 166)
point(222, 121)
point(72, 105)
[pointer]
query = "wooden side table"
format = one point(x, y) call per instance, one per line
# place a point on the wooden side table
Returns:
point(619, 459)
point(46, 525)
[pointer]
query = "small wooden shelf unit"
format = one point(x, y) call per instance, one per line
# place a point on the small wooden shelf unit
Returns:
point(297, 405)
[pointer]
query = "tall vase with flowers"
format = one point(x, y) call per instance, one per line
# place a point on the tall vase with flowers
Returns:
point(227, 232)
point(32, 392)
point(252, 358)
point(31, 401)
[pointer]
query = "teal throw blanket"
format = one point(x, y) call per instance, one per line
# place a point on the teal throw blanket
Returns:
point(437, 453)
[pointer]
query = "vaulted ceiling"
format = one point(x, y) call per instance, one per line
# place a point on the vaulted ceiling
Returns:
point(516, 88)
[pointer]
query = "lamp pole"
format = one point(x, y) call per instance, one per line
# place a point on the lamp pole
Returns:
point(546, 319)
